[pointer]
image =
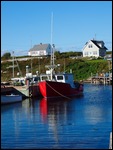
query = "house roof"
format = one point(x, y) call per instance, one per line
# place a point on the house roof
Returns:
point(97, 44)
point(39, 47)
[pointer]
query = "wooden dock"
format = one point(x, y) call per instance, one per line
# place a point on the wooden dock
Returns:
point(31, 91)
point(101, 78)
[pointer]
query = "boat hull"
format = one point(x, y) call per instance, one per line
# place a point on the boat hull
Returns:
point(6, 99)
point(51, 89)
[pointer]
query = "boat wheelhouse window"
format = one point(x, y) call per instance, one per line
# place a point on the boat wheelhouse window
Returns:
point(36, 79)
point(44, 78)
point(59, 77)
point(53, 77)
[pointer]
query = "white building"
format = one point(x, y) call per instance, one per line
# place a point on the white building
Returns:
point(40, 50)
point(94, 48)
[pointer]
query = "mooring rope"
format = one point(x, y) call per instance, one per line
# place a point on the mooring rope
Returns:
point(58, 92)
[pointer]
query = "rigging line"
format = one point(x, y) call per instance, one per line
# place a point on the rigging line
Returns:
point(58, 92)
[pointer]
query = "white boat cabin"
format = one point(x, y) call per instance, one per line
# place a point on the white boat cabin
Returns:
point(65, 78)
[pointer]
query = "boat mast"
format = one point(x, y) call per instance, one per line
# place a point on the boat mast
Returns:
point(52, 65)
point(52, 52)
point(51, 39)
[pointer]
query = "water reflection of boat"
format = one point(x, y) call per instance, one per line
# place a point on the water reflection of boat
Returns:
point(43, 109)
point(52, 111)
point(52, 107)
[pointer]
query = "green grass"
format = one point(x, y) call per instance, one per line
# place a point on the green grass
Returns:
point(82, 68)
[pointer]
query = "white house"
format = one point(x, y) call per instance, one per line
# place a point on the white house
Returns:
point(40, 50)
point(94, 48)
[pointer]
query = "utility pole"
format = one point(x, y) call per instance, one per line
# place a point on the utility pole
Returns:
point(39, 64)
point(31, 57)
point(64, 65)
point(13, 62)
point(31, 64)
point(109, 69)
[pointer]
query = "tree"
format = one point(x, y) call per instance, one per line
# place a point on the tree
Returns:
point(6, 55)
point(57, 54)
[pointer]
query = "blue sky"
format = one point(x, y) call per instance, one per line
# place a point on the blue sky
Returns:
point(28, 23)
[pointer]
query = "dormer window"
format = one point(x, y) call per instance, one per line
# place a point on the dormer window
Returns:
point(90, 45)
point(101, 44)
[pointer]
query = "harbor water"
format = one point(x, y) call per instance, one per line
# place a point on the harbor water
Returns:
point(83, 122)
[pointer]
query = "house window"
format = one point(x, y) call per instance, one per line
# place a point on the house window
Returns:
point(34, 52)
point(86, 53)
point(41, 52)
point(95, 53)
